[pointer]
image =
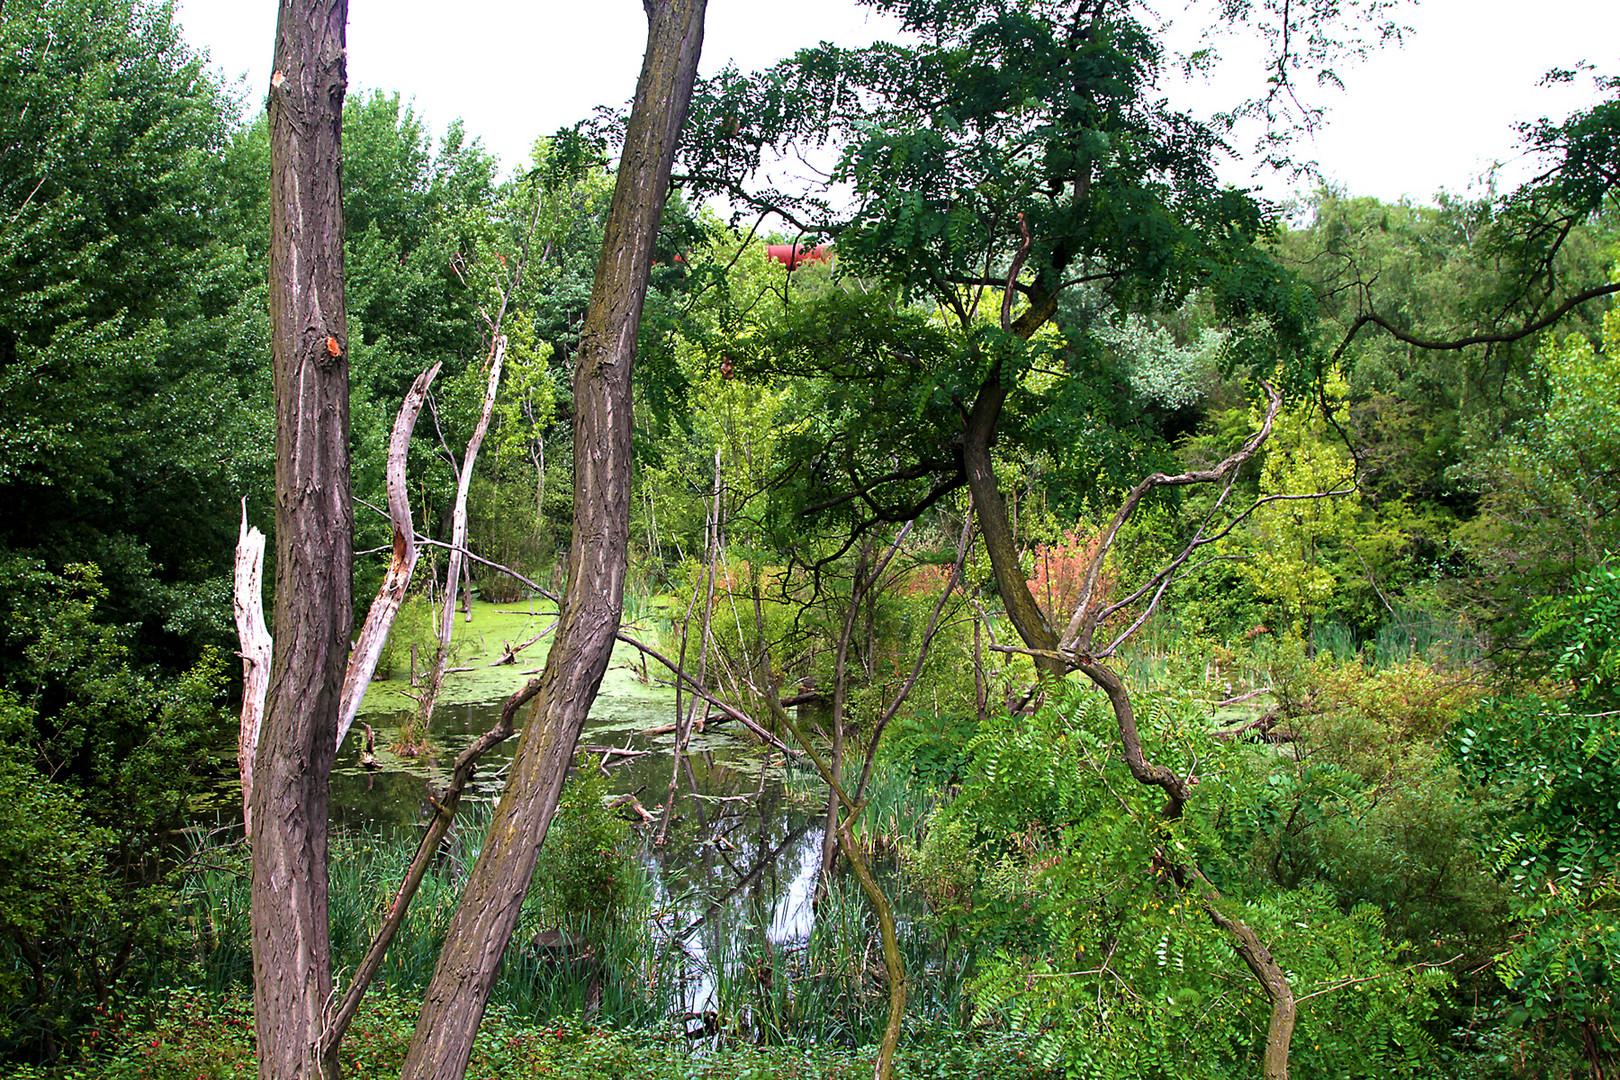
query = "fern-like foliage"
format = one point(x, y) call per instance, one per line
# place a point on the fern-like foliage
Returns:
point(1065, 876)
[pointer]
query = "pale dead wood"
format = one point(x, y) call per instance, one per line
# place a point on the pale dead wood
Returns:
point(257, 646)
point(380, 619)
point(1074, 650)
point(613, 751)
point(458, 526)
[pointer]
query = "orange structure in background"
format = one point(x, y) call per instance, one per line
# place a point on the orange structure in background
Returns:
point(794, 256)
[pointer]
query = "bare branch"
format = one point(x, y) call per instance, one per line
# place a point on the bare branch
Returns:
point(1083, 624)
point(1012, 277)
point(1341, 984)
point(380, 618)
point(1474, 339)
point(692, 685)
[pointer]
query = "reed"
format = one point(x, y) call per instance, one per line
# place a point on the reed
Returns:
point(896, 810)
point(1417, 633)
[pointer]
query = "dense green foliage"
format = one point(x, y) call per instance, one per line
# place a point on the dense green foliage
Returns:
point(130, 313)
point(1398, 701)
point(1058, 879)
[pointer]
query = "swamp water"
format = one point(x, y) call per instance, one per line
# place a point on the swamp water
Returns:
point(730, 894)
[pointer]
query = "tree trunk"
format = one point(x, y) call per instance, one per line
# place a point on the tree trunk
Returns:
point(487, 915)
point(1273, 982)
point(894, 964)
point(830, 837)
point(292, 967)
point(991, 509)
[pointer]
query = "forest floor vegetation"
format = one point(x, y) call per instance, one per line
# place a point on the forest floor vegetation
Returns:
point(196, 1036)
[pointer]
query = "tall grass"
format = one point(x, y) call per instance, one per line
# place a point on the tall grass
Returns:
point(1334, 639)
point(896, 805)
point(1416, 633)
point(611, 969)
point(896, 811)
point(830, 987)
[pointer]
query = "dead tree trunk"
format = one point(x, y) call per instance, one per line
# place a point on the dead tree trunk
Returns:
point(487, 915)
point(257, 646)
point(458, 534)
point(292, 965)
point(380, 619)
point(255, 638)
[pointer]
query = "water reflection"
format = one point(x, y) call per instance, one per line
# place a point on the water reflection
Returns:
point(735, 880)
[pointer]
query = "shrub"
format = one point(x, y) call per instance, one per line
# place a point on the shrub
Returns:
point(583, 869)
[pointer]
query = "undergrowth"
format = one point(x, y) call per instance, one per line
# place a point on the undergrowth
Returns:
point(194, 1036)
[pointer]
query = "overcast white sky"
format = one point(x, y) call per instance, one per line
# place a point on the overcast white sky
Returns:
point(1434, 114)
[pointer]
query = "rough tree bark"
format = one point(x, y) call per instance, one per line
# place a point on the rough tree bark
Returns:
point(292, 972)
point(487, 915)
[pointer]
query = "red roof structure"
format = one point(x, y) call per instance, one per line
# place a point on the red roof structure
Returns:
point(794, 256)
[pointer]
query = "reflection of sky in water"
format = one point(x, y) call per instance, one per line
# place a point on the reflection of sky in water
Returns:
point(776, 910)
point(795, 909)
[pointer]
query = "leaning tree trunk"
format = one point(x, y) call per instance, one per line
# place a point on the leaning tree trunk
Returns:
point(292, 971)
point(978, 435)
point(488, 913)
point(996, 527)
